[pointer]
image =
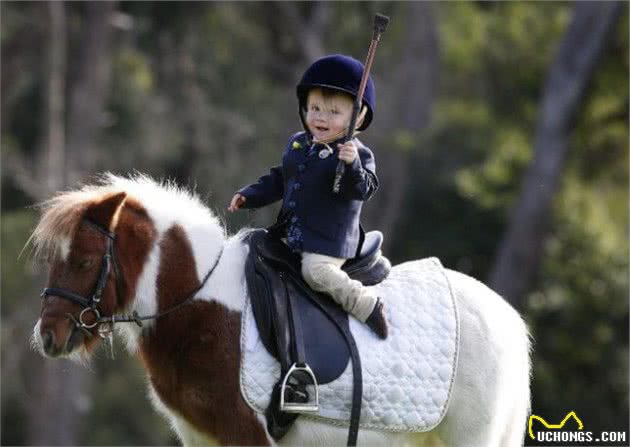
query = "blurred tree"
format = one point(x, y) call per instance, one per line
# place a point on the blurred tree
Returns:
point(90, 65)
point(88, 86)
point(406, 102)
point(54, 140)
point(520, 252)
point(189, 103)
point(309, 26)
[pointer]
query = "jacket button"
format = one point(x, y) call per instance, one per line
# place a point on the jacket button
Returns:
point(301, 167)
point(294, 219)
point(297, 186)
point(292, 204)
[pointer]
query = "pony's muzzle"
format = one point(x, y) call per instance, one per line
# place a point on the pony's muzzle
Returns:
point(57, 341)
point(49, 345)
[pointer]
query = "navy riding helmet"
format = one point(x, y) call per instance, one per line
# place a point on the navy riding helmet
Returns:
point(337, 72)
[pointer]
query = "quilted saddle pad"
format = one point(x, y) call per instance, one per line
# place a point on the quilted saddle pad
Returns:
point(407, 378)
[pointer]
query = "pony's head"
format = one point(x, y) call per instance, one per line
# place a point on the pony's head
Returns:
point(98, 241)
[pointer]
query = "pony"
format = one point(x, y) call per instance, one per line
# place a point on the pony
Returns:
point(154, 252)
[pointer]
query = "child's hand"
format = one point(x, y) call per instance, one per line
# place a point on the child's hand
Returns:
point(347, 152)
point(237, 201)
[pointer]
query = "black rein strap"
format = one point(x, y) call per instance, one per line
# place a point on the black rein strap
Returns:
point(135, 318)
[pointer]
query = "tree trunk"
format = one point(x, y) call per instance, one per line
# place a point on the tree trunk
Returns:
point(296, 37)
point(309, 29)
point(57, 400)
point(189, 106)
point(521, 250)
point(406, 107)
point(60, 393)
point(88, 92)
point(55, 130)
point(59, 403)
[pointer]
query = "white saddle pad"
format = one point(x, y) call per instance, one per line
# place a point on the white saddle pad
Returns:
point(407, 378)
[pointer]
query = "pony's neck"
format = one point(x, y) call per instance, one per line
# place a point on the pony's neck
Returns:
point(227, 284)
point(177, 263)
point(193, 362)
point(192, 355)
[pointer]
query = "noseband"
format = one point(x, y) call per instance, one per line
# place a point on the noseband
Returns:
point(90, 305)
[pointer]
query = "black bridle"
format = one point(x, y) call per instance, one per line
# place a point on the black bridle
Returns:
point(90, 305)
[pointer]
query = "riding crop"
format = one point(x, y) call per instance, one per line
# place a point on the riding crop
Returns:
point(380, 24)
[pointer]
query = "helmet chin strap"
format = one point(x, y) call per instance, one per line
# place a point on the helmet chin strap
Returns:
point(343, 132)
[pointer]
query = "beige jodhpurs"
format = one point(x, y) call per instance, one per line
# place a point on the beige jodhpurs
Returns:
point(323, 273)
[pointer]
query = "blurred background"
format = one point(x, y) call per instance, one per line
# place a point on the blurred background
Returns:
point(501, 141)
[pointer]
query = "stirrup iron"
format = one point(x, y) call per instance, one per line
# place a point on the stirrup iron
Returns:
point(298, 407)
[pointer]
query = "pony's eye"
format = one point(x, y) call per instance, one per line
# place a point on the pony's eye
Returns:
point(85, 264)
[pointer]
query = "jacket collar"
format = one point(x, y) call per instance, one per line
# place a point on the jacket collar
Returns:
point(333, 143)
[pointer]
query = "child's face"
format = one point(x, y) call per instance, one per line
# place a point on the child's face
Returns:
point(328, 116)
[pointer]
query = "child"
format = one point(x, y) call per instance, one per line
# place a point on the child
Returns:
point(319, 224)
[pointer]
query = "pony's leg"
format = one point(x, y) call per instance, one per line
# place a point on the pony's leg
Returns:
point(490, 399)
point(469, 418)
point(514, 432)
point(187, 434)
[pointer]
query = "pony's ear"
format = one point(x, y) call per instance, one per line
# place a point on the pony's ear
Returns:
point(104, 213)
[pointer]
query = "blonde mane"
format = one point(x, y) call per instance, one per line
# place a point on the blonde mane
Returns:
point(62, 214)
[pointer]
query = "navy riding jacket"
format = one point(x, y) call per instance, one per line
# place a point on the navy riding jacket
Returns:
point(317, 220)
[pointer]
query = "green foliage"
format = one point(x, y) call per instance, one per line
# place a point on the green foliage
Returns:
point(19, 309)
point(17, 266)
point(580, 311)
point(468, 174)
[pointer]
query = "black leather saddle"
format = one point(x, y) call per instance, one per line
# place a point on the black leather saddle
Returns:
point(306, 331)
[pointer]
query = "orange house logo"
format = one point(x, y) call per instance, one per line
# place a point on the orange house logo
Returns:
point(580, 425)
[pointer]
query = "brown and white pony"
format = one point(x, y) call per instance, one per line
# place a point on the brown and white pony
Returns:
point(132, 246)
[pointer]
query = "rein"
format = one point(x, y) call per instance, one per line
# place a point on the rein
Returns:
point(135, 318)
point(91, 304)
